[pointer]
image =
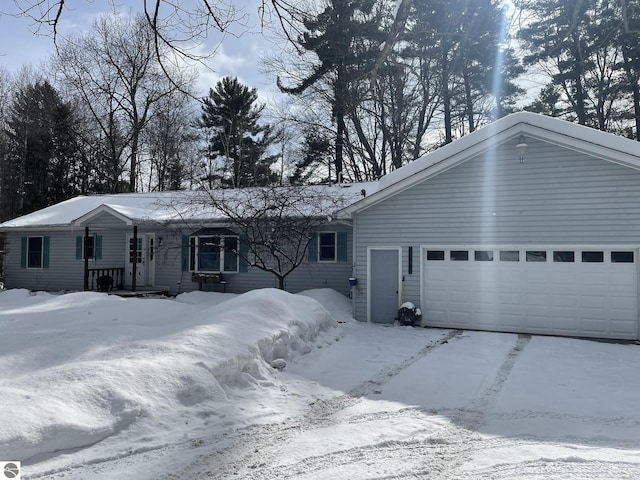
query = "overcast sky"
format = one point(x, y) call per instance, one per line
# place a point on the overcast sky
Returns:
point(237, 54)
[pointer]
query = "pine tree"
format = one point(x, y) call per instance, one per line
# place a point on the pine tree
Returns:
point(346, 38)
point(40, 165)
point(237, 141)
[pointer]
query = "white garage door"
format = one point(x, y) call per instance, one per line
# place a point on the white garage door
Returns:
point(586, 292)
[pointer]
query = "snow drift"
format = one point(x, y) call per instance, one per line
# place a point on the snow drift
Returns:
point(97, 364)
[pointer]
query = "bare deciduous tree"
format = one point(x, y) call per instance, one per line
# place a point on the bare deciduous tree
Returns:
point(277, 223)
point(115, 71)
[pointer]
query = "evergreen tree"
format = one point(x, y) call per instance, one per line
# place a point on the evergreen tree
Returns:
point(346, 38)
point(315, 157)
point(42, 152)
point(238, 143)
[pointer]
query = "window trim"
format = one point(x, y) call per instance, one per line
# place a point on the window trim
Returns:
point(335, 247)
point(93, 247)
point(194, 253)
point(28, 251)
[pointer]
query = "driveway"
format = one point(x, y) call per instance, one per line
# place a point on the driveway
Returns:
point(397, 402)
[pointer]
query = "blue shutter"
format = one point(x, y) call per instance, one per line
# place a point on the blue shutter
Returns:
point(79, 243)
point(313, 248)
point(243, 250)
point(97, 247)
point(341, 241)
point(185, 253)
point(23, 252)
point(45, 252)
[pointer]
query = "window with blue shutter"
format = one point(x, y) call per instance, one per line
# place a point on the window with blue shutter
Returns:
point(34, 252)
point(243, 266)
point(23, 252)
point(342, 238)
point(312, 249)
point(94, 247)
point(185, 253)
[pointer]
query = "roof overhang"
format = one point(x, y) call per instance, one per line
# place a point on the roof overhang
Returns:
point(579, 138)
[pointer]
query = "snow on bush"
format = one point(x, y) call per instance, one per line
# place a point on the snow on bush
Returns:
point(78, 368)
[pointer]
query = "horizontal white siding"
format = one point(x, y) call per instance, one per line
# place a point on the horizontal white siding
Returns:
point(555, 197)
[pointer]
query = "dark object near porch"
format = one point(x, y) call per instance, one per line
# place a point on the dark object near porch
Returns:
point(105, 283)
point(209, 278)
point(95, 274)
point(409, 315)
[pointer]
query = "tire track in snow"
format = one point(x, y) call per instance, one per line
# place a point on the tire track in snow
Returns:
point(258, 447)
point(558, 468)
point(463, 438)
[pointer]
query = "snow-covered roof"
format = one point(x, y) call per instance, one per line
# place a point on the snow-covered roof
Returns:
point(189, 205)
point(534, 126)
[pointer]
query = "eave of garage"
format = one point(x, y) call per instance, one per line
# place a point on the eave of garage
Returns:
point(579, 138)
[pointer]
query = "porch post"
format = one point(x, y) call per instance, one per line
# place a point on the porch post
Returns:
point(134, 264)
point(85, 247)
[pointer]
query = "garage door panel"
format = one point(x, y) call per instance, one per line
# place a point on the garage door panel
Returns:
point(563, 300)
point(560, 298)
point(593, 325)
point(622, 327)
point(565, 325)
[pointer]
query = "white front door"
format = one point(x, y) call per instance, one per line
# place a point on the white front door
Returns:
point(144, 258)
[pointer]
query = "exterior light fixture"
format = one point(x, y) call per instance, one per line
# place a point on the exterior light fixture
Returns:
point(522, 148)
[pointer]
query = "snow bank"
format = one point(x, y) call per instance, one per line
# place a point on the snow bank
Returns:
point(76, 369)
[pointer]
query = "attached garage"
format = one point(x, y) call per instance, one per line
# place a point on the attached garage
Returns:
point(583, 292)
point(530, 224)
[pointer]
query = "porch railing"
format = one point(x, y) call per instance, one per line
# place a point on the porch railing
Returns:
point(106, 279)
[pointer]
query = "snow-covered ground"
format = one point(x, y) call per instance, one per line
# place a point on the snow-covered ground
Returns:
point(271, 385)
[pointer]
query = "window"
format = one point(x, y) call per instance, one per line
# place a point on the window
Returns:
point(509, 256)
point(94, 247)
point(459, 255)
point(435, 254)
point(621, 257)
point(138, 250)
point(593, 257)
point(563, 256)
point(483, 255)
point(213, 253)
point(327, 247)
point(90, 246)
point(35, 249)
point(536, 256)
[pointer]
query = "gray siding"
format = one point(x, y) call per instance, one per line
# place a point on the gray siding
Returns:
point(65, 272)
point(309, 275)
point(555, 197)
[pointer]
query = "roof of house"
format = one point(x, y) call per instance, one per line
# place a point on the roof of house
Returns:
point(190, 205)
point(568, 135)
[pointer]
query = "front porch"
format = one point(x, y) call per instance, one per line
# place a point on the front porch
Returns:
point(133, 275)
